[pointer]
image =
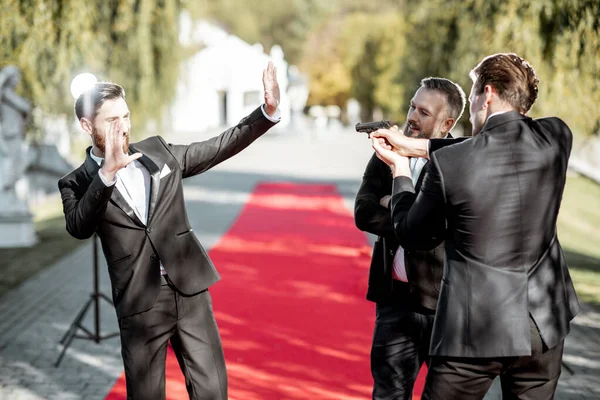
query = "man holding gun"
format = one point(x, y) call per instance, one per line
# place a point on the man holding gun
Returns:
point(404, 284)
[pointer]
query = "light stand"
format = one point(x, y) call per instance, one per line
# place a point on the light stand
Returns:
point(94, 300)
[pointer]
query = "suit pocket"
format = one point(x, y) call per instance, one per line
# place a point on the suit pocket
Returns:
point(118, 261)
point(119, 276)
point(185, 232)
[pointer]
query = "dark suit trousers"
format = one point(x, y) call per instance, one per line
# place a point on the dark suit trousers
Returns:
point(400, 346)
point(531, 377)
point(188, 322)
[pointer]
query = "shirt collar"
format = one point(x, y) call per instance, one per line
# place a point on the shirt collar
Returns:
point(494, 114)
point(97, 159)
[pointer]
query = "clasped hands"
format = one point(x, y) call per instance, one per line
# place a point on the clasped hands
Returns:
point(393, 148)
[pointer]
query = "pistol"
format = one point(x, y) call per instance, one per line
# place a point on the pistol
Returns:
point(368, 127)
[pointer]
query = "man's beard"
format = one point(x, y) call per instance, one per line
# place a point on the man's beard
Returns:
point(408, 133)
point(422, 134)
point(100, 142)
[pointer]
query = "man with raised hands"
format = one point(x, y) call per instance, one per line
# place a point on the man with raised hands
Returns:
point(131, 196)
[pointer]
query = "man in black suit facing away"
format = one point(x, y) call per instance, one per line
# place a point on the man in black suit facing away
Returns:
point(404, 284)
point(506, 299)
point(132, 198)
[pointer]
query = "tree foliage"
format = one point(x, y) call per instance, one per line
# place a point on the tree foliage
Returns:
point(130, 42)
point(374, 51)
point(412, 40)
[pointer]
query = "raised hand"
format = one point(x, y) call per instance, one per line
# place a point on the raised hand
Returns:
point(272, 96)
point(115, 157)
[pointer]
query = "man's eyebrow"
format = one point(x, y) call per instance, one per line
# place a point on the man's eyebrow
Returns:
point(424, 108)
point(112, 118)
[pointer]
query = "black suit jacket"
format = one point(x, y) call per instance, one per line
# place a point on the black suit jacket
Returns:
point(133, 250)
point(500, 193)
point(423, 268)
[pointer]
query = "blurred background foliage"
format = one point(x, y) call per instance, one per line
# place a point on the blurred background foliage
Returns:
point(130, 42)
point(375, 51)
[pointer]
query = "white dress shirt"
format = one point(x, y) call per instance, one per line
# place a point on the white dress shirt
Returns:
point(399, 271)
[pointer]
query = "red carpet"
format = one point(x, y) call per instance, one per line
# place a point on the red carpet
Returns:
point(291, 306)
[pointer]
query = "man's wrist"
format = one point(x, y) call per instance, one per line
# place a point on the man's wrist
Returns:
point(108, 177)
point(415, 148)
point(272, 114)
point(400, 169)
point(270, 110)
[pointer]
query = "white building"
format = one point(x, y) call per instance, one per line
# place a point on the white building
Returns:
point(222, 82)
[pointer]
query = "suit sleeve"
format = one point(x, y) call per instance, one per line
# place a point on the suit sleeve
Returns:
point(83, 207)
point(419, 219)
point(369, 215)
point(201, 156)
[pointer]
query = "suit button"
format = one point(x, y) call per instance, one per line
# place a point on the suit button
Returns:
point(149, 230)
point(153, 257)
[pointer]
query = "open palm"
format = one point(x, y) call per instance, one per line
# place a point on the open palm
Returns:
point(114, 156)
point(272, 96)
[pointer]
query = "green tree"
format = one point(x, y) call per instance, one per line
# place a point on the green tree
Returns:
point(559, 38)
point(133, 43)
point(377, 64)
point(330, 79)
point(367, 60)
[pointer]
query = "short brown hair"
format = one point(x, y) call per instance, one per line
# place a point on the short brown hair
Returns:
point(89, 102)
point(455, 96)
point(512, 76)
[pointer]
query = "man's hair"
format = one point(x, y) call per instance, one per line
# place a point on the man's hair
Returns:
point(89, 102)
point(455, 96)
point(512, 76)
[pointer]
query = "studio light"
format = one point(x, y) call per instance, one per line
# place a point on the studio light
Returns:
point(81, 83)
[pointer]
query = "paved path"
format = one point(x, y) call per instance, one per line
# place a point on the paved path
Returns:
point(35, 315)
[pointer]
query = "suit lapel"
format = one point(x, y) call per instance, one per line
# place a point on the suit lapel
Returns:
point(120, 202)
point(154, 180)
point(91, 166)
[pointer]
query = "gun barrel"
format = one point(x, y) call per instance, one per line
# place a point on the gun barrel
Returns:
point(369, 127)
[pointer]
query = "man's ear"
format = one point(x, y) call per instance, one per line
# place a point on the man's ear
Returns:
point(448, 124)
point(489, 91)
point(86, 125)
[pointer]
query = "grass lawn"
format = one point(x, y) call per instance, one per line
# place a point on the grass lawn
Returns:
point(579, 234)
point(19, 264)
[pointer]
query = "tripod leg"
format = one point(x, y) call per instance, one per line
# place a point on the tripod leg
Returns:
point(64, 350)
point(70, 334)
point(566, 366)
point(77, 321)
